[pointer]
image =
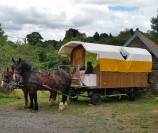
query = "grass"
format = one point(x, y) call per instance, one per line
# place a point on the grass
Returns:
point(140, 116)
point(10, 98)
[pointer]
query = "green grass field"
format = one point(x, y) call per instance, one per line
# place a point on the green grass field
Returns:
point(140, 116)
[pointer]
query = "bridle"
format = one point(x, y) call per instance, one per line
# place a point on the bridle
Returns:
point(6, 78)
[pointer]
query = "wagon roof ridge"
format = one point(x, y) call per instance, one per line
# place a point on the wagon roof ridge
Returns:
point(149, 44)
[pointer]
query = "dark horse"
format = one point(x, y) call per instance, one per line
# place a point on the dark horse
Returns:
point(55, 81)
point(7, 78)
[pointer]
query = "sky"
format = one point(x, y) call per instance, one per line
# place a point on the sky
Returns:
point(51, 18)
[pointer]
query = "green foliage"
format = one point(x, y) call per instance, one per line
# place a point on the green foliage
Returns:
point(154, 27)
point(6, 98)
point(42, 55)
point(154, 24)
point(3, 37)
point(124, 36)
point(74, 35)
point(96, 36)
point(52, 43)
point(39, 57)
point(34, 38)
point(104, 38)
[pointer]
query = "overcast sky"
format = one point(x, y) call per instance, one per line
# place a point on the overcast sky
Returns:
point(53, 17)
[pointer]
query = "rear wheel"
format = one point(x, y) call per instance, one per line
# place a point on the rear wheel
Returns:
point(131, 94)
point(96, 98)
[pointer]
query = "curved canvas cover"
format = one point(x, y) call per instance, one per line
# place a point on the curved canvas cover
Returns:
point(114, 58)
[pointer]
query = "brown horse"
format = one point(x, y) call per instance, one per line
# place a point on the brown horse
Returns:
point(7, 78)
point(55, 80)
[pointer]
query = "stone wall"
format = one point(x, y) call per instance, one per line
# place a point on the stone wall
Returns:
point(153, 82)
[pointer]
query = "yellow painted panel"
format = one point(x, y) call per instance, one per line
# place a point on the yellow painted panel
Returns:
point(124, 66)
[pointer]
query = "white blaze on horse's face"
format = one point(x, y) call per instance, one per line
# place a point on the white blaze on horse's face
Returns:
point(14, 76)
point(2, 83)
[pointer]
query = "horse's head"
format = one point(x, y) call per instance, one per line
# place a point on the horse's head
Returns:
point(21, 70)
point(7, 77)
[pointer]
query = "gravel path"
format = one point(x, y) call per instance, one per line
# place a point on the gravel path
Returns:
point(21, 121)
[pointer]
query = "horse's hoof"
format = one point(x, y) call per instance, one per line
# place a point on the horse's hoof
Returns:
point(36, 108)
point(52, 101)
point(62, 107)
point(30, 108)
point(66, 105)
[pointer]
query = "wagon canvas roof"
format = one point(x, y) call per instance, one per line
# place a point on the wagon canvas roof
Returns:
point(106, 51)
point(66, 49)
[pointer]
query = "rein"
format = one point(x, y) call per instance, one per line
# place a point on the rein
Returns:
point(48, 87)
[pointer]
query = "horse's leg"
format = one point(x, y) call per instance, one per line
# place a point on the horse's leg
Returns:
point(25, 91)
point(52, 96)
point(63, 103)
point(35, 100)
point(31, 100)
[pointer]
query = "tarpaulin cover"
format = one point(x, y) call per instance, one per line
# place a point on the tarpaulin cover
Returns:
point(113, 58)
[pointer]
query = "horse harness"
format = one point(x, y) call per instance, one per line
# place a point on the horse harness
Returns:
point(46, 86)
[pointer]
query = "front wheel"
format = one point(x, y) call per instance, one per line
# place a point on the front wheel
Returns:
point(73, 96)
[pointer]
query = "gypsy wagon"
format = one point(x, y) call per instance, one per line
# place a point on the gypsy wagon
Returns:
point(117, 70)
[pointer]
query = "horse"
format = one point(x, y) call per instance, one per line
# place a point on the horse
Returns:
point(55, 81)
point(7, 78)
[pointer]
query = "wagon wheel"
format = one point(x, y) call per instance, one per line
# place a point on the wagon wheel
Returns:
point(73, 96)
point(95, 98)
point(131, 94)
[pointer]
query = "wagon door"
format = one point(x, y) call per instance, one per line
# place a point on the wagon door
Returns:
point(78, 56)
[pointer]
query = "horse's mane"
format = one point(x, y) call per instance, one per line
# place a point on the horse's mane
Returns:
point(25, 66)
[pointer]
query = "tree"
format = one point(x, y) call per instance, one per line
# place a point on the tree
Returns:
point(124, 36)
point(34, 38)
point(154, 27)
point(52, 43)
point(42, 55)
point(103, 35)
point(74, 35)
point(96, 36)
point(3, 37)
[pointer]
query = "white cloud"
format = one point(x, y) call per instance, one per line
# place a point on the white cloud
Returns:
point(52, 17)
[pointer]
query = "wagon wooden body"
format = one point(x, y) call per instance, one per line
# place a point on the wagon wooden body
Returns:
point(115, 67)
